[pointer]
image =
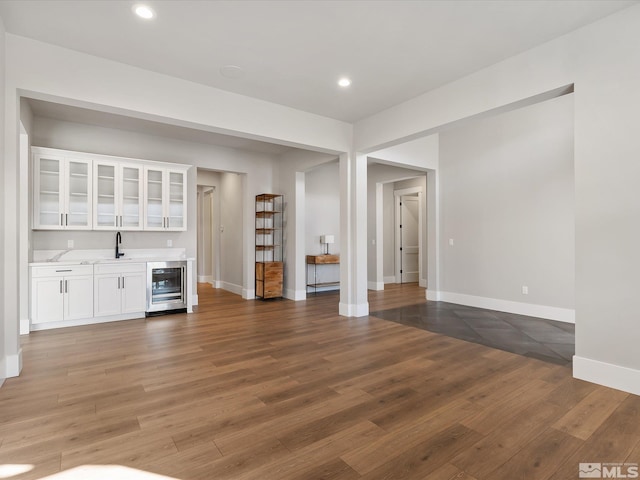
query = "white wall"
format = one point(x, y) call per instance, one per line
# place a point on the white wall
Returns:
point(290, 181)
point(90, 138)
point(322, 211)
point(231, 236)
point(3, 357)
point(322, 207)
point(507, 201)
point(600, 59)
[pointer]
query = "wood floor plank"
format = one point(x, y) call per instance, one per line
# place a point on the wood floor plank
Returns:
point(540, 458)
point(587, 416)
point(282, 390)
point(420, 460)
point(511, 435)
point(612, 442)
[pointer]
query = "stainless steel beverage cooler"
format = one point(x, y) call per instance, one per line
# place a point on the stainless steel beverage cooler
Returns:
point(166, 287)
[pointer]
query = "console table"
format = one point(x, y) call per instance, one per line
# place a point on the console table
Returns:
point(316, 261)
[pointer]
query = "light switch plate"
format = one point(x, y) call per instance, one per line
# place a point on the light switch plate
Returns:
point(169, 243)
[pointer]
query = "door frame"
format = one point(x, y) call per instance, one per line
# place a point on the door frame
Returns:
point(397, 194)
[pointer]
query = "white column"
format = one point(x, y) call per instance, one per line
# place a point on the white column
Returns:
point(299, 282)
point(353, 235)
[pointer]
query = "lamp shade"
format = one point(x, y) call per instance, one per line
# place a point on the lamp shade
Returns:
point(327, 239)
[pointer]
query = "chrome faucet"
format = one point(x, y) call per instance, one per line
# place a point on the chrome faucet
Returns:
point(118, 242)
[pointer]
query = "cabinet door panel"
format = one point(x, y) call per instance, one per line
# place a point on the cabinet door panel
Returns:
point(107, 295)
point(134, 293)
point(78, 195)
point(176, 192)
point(154, 194)
point(47, 300)
point(105, 214)
point(48, 193)
point(131, 201)
point(78, 297)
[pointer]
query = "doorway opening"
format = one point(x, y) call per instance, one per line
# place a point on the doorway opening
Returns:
point(408, 235)
point(206, 235)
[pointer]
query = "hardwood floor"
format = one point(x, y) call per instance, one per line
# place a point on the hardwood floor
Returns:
point(290, 390)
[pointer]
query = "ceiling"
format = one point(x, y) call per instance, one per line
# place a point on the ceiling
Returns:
point(292, 52)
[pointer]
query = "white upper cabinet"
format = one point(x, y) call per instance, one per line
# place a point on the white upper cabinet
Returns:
point(118, 196)
point(62, 193)
point(85, 191)
point(165, 199)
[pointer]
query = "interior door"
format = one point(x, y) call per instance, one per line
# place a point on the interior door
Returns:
point(409, 243)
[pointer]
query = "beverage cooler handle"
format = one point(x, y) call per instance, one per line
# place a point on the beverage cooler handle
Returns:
point(184, 284)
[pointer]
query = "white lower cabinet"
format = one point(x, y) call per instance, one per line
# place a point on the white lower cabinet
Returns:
point(119, 289)
point(60, 294)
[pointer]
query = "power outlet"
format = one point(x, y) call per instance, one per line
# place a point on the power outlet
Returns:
point(525, 290)
point(69, 243)
point(169, 243)
point(451, 242)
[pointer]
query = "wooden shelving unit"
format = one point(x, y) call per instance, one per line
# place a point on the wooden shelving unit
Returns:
point(269, 265)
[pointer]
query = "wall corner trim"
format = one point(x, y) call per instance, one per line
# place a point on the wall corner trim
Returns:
point(433, 295)
point(295, 295)
point(11, 365)
point(353, 310)
point(607, 374)
point(375, 285)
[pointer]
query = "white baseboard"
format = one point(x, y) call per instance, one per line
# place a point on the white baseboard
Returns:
point(205, 279)
point(231, 287)
point(248, 293)
point(194, 299)
point(353, 310)
point(391, 279)
point(11, 366)
point(422, 283)
point(529, 309)
point(375, 285)
point(432, 295)
point(607, 374)
point(25, 324)
point(295, 295)
point(87, 321)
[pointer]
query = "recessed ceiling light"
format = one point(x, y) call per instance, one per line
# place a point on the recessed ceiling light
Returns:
point(143, 11)
point(344, 82)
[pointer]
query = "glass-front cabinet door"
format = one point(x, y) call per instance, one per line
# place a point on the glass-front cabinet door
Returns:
point(117, 200)
point(176, 196)
point(130, 197)
point(165, 194)
point(48, 199)
point(78, 195)
point(154, 218)
point(105, 216)
point(62, 193)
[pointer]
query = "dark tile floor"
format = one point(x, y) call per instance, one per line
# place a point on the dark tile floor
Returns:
point(529, 336)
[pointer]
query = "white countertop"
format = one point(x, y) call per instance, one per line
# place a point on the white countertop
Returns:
point(91, 257)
